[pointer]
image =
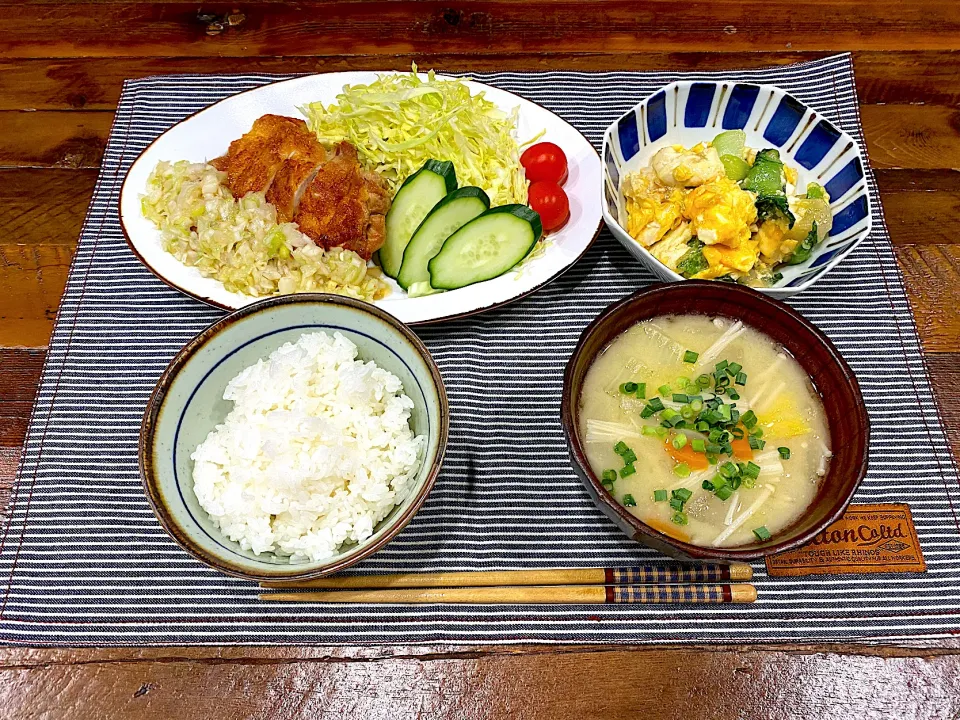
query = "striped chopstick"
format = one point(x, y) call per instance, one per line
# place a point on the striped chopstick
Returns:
point(640, 575)
point(555, 594)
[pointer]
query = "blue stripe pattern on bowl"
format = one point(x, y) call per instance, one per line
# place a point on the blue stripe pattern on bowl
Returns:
point(742, 99)
point(686, 113)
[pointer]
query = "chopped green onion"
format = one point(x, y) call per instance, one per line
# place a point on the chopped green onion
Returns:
point(721, 366)
point(679, 441)
point(718, 481)
point(741, 378)
point(698, 445)
point(756, 431)
point(737, 433)
point(627, 470)
point(756, 443)
point(664, 390)
point(728, 470)
point(784, 453)
point(733, 369)
point(679, 518)
point(628, 501)
point(749, 482)
point(703, 381)
point(659, 495)
point(725, 413)
point(683, 494)
point(777, 277)
point(676, 503)
point(707, 485)
point(628, 388)
point(657, 404)
point(727, 448)
point(752, 470)
point(609, 475)
point(682, 470)
point(649, 430)
point(620, 448)
point(629, 457)
point(762, 533)
point(661, 431)
point(714, 449)
point(702, 426)
point(724, 492)
point(735, 482)
point(689, 357)
point(641, 390)
point(682, 382)
point(680, 398)
point(733, 394)
point(671, 417)
point(687, 412)
point(749, 419)
point(712, 458)
point(696, 405)
point(647, 412)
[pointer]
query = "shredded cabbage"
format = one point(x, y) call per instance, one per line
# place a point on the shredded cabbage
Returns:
point(239, 242)
point(400, 121)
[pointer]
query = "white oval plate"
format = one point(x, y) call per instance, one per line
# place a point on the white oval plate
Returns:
point(206, 135)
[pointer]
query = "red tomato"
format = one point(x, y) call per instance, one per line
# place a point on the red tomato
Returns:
point(544, 161)
point(550, 201)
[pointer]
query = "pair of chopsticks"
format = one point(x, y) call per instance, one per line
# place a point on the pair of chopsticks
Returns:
point(628, 585)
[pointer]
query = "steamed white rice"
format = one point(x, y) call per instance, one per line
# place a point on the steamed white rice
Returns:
point(316, 451)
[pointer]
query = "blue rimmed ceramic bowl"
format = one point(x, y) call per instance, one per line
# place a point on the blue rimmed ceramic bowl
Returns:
point(188, 403)
point(687, 113)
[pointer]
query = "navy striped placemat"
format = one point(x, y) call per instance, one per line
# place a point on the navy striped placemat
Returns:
point(83, 561)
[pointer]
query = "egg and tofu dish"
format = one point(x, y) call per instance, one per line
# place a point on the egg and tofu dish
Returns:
point(723, 210)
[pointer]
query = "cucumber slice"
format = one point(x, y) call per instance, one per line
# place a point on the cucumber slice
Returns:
point(730, 142)
point(449, 215)
point(486, 247)
point(415, 198)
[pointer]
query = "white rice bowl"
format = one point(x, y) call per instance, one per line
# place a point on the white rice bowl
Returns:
point(315, 452)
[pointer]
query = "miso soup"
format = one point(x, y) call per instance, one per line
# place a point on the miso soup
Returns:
point(705, 429)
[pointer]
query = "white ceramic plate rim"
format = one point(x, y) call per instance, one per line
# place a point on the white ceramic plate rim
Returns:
point(207, 133)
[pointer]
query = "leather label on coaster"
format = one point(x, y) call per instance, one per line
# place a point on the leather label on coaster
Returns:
point(867, 539)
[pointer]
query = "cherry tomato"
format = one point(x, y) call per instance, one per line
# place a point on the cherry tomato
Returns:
point(544, 161)
point(550, 201)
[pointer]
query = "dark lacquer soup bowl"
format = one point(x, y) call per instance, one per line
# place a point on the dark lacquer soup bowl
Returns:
point(829, 373)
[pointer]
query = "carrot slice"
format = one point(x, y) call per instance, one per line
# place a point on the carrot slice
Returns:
point(742, 449)
point(686, 454)
point(667, 528)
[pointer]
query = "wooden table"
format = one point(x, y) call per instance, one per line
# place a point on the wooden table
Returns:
point(60, 77)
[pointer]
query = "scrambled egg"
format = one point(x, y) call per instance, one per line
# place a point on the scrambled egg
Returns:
point(773, 242)
point(698, 221)
point(652, 209)
point(721, 212)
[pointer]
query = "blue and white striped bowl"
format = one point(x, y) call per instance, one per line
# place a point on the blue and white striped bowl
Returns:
point(687, 113)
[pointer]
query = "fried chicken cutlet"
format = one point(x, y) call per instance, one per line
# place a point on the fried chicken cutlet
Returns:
point(333, 200)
